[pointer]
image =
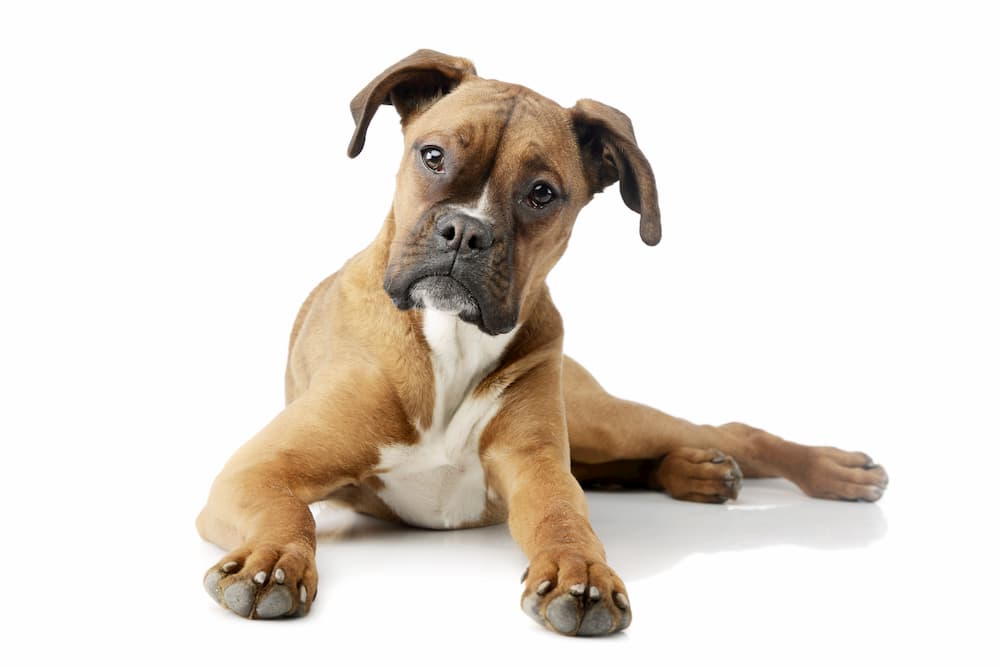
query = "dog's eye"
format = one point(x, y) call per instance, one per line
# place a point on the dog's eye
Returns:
point(433, 158)
point(541, 195)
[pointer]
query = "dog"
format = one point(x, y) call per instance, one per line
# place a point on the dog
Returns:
point(426, 381)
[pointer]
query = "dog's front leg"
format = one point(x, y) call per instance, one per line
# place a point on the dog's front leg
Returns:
point(569, 586)
point(259, 504)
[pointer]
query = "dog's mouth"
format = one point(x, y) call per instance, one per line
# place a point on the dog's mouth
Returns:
point(446, 294)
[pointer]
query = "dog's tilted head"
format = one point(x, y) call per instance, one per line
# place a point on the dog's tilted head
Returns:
point(492, 178)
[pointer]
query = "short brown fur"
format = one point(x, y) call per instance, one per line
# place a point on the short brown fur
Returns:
point(359, 375)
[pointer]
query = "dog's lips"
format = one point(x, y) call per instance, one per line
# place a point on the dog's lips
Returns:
point(443, 292)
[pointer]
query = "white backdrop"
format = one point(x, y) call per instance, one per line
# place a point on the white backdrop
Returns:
point(173, 181)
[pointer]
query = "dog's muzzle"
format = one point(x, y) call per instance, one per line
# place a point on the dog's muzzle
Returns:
point(458, 273)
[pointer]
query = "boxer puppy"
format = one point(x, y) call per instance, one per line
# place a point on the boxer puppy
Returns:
point(426, 381)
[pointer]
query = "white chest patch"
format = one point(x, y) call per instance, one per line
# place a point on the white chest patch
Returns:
point(439, 481)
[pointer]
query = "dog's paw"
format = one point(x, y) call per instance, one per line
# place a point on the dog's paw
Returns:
point(264, 581)
point(838, 475)
point(700, 475)
point(575, 595)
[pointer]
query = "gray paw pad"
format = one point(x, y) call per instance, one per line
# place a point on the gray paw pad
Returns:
point(597, 621)
point(563, 613)
point(277, 602)
point(211, 584)
point(239, 597)
point(625, 620)
point(531, 605)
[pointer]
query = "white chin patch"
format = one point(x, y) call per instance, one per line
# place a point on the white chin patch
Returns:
point(443, 293)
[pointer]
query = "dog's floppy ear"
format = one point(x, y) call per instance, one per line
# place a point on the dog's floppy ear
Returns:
point(408, 85)
point(609, 151)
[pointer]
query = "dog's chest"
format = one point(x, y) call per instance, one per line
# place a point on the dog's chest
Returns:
point(439, 482)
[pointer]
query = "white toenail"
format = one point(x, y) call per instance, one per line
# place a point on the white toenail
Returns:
point(279, 576)
point(302, 594)
point(544, 587)
point(594, 593)
point(621, 601)
point(260, 577)
point(230, 566)
point(577, 589)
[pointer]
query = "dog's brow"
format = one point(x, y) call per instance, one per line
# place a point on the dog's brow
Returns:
point(437, 137)
point(536, 164)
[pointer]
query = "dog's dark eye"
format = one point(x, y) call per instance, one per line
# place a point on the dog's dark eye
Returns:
point(540, 195)
point(433, 158)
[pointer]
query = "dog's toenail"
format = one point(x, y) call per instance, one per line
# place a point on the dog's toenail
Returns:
point(260, 577)
point(279, 576)
point(302, 594)
point(577, 589)
point(524, 575)
point(621, 600)
point(544, 587)
point(230, 566)
point(595, 593)
point(719, 459)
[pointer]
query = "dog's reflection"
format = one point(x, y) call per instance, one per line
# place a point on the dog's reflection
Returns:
point(644, 532)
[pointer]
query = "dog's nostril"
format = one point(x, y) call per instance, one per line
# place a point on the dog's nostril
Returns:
point(464, 234)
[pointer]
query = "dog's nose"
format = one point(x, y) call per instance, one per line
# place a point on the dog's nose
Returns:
point(463, 232)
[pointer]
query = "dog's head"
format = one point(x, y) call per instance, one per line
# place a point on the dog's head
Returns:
point(492, 179)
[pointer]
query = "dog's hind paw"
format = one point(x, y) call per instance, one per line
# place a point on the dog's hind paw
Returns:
point(574, 595)
point(699, 475)
point(838, 475)
point(264, 581)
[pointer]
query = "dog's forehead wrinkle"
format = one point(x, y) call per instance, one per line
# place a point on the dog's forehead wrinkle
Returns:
point(499, 143)
point(504, 135)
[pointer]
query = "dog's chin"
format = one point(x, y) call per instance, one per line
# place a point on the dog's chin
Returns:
point(449, 295)
point(446, 294)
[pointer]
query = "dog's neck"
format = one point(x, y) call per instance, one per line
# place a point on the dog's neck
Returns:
point(461, 356)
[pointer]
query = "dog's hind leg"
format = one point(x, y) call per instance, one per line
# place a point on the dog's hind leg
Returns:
point(619, 442)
